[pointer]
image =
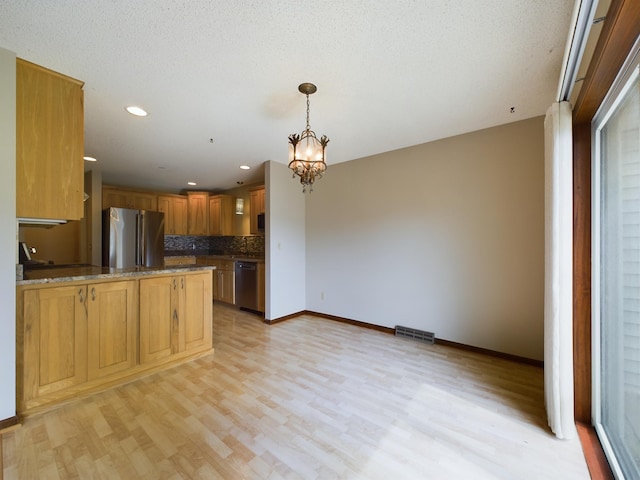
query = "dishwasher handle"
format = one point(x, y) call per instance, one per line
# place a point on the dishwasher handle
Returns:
point(246, 266)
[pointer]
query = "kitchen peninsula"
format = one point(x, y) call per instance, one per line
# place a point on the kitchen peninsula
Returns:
point(84, 329)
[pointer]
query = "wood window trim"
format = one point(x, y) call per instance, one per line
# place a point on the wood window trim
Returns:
point(616, 40)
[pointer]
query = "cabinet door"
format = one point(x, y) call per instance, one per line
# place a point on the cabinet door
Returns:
point(143, 201)
point(165, 205)
point(175, 214)
point(55, 340)
point(257, 205)
point(49, 144)
point(196, 323)
point(221, 215)
point(159, 299)
point(198, 213)
point(227, 286)
point(112, 197)
point(215, 216)
point(180, 216)
point(111, 328)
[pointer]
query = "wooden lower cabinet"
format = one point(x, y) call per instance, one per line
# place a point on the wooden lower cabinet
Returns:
point(83, 337)
point(175, 315)
point(111, 328)
point(54, 341)
point(225, 286)
point(224, 278)
point(197, 324)
point(74, 334)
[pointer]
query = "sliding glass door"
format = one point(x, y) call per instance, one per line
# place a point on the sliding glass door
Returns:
point(616, 274)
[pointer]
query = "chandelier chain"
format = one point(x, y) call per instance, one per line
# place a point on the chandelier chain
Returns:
point(308, 126)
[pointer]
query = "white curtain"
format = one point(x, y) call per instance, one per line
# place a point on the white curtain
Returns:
point(558, 296)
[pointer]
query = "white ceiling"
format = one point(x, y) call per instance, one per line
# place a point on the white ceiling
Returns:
point(390, 74)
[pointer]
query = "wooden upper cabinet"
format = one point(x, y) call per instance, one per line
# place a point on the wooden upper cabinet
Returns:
point(49, 144)
point(221, 215)
point(198, 213)
point(125, 198)
point(174, 208)
point(257, 206)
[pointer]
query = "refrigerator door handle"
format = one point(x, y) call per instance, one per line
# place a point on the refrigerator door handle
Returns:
point(139, 244)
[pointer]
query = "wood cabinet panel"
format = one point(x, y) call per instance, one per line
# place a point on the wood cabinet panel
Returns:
point(82, 337)
point(143, 201)
point(125, 198)
point(111, 328)
point(174, 208)
point(55, 328)
point(227, 286)
point(256, 206)
point(198, 312)
point(224, 278)
point(49, 144)
point(176, 315)
point(181, 260)
point(221, 215)
point(198, 213)
point(157, 317)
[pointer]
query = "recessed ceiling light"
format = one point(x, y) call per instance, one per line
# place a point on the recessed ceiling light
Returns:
point(90, 159)
point(137, 111)
point(193, 184)
point(245, 167)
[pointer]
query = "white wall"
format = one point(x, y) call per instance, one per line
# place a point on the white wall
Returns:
point(8, 234)
point(284, 242)
point(446, 237)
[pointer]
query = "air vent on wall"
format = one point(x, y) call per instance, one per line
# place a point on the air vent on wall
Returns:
point(420, 335)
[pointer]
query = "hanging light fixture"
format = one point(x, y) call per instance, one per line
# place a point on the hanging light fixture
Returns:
point(306, 152)
point(239, 206)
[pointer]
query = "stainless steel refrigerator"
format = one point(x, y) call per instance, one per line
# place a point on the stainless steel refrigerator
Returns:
point(132, 238)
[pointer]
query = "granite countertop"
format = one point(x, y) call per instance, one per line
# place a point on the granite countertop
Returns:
point(75, 273)
point(214, 256)
point(240, 257)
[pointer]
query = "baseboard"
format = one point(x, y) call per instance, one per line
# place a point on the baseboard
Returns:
point(357, 323)
point(282, 319)
point(491, 353)
point(380, 328)
point(8, 422)
point(594, 455)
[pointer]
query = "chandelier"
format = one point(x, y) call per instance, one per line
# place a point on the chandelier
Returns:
point(306, 152)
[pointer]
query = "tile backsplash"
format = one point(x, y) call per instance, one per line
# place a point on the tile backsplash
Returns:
point(218, 245)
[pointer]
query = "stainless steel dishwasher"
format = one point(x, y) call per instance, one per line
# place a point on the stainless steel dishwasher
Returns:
point(247, 285)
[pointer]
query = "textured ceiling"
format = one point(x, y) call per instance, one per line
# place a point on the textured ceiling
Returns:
point(390, 74)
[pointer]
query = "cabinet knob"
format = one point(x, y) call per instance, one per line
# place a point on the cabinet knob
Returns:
point(81, 295)
point(93, 293)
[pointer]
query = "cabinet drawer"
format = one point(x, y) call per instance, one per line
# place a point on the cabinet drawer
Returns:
point(186, 260)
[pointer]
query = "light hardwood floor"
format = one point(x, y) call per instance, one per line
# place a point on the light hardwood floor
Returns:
point(308, 398)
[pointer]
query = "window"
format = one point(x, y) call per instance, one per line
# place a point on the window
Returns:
point(616, 273)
